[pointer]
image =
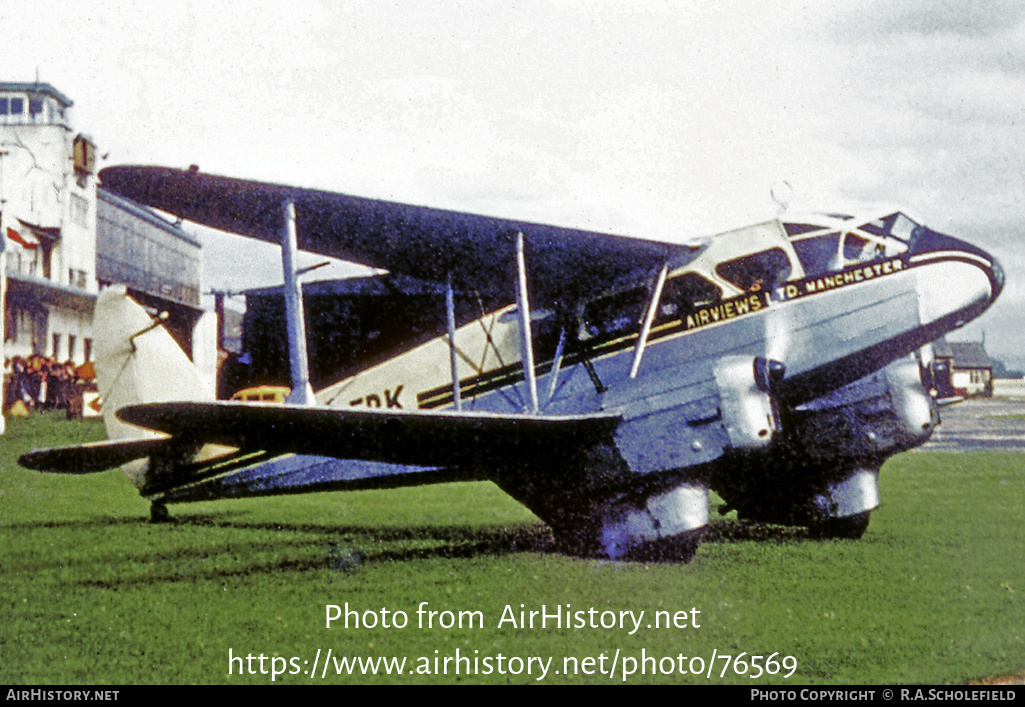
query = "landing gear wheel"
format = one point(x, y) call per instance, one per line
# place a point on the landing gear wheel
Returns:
point(158, 513)
point(680, 548)
point(847, 528)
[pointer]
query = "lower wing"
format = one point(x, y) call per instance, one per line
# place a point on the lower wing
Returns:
point(280, 449)
point(396, 437)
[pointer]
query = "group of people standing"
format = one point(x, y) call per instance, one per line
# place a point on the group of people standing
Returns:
point(42, 383)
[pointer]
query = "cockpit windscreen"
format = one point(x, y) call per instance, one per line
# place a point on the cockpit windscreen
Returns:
point(827, 244)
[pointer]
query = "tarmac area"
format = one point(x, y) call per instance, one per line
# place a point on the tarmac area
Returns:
point(980, 424)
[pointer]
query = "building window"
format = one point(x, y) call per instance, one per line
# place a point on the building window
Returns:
point(88, 349)
point(79, 210)
point(77, 278)
point(56, 346)
point(11, 319)
point(71, 347)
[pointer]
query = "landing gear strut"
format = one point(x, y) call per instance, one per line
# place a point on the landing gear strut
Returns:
point(158, 513)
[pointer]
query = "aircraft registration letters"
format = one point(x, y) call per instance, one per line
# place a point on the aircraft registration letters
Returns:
point(373, 400)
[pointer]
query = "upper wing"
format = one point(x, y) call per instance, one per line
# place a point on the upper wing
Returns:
point(430, 439)
point(563, 264)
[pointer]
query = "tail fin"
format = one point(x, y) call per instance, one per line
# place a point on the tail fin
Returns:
point(137, 361)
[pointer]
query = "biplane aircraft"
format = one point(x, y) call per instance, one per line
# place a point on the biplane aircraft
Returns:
point(618, 381)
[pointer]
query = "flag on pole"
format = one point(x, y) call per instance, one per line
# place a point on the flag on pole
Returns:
point(15, 235)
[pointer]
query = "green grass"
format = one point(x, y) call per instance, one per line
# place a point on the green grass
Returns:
point(93, 593)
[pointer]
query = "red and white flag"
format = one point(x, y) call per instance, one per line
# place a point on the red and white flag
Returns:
point(16, 236)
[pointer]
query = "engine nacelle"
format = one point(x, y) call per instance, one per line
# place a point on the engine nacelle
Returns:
point(745, 397)
point(913, 406)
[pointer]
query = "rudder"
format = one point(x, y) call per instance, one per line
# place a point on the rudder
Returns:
point(137, 362)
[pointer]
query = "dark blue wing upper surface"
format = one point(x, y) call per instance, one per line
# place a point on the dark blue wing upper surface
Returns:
point(391, 436)
point(563, 264)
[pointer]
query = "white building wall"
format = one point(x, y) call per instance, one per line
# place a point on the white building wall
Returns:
point(40, 187)
point(70, 327)
point(972, 382)
point(960, 379)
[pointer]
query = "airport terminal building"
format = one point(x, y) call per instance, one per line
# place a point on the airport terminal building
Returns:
point(48, 212)
point(159, 262)
point(64, 238)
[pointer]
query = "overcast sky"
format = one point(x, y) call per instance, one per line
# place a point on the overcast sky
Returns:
point(659, 120)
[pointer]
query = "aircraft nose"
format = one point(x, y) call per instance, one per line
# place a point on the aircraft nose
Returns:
point(931, 246)
point(997, 276)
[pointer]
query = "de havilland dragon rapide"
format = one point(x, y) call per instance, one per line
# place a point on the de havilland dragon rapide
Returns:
point(613, 385)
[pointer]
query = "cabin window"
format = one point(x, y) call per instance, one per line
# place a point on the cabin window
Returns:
point(761, 271)
point(860, 250)
point(686, 293)
point(797, 229)
point(818, 254)
point(614, 315)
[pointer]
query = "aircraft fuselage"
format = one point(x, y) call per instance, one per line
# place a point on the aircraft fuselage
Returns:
point(695, 406)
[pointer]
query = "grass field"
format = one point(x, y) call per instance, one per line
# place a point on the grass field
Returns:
point(93, 593)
